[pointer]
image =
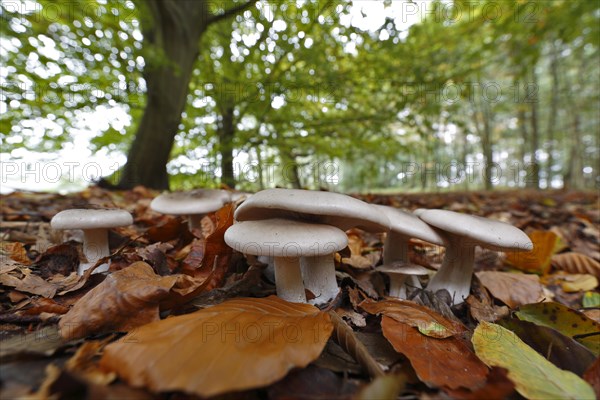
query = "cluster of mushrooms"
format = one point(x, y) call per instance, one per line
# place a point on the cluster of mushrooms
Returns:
point(297, 232)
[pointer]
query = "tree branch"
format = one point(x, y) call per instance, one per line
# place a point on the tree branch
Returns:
point(232, 11)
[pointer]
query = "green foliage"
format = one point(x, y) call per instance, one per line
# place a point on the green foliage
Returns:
point(514, 81)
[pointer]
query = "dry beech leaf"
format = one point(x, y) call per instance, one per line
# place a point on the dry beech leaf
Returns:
point(357, 260)
point(497, 387)
point(236, 345)
point(447, 363)
point(592, 376)
point(30, 284)
point(16, 251)
point(545, 244)
point(209, 258)
point(427, 321)
point(533, 375)
point(513, 289)
point(576, 263)
point(125, 300)
point(84, 364)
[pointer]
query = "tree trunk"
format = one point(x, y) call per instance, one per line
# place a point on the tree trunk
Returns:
point(533, 179)
point(486, 146)
point(573, 178)
point(289, 169)
point(552, 116)
point(172, 29)
point(226, 134)
point(522, 117)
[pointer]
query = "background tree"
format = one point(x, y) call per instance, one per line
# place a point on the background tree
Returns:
point(286, 88)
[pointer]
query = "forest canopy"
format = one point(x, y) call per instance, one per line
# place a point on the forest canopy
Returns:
point(347, 95)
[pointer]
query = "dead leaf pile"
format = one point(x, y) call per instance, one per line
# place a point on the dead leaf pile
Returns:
point(180, 313)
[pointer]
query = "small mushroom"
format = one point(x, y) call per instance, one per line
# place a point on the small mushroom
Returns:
point(95, 225)
point(194, 204)
point(403, 227)
point(286, 241)
point(463, 233)
point(339, 210)
point(398, 272)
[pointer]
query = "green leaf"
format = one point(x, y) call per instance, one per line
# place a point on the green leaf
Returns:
point(591, 299)
point(567, 321)
point(533, 375)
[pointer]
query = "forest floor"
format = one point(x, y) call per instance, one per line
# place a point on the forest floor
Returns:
point(182, 298)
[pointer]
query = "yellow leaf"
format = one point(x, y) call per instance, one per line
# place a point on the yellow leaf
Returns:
point(579, 283)
point(237, 345)
point(545, 244)
point(533, 375)
point(567, 321)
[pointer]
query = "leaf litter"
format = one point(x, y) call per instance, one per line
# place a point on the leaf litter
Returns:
point(169, 286)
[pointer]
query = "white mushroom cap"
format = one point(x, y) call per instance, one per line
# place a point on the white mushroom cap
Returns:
point(402, 275)
point(91, 219)
point(410, 225)
point(286, 241)
point(464, 232)
point(199, 201)
point(285, 238)
point(94, 224)
point(484, 232)
point(405, 269)
point(419, 211)
point(330, 208)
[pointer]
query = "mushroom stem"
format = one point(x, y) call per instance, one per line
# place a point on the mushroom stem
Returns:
point(395, 248)
point(288, 279)
point(194, 221)
point(95, 247)
point(455, 273)
point(319, 277)
point(397, 288)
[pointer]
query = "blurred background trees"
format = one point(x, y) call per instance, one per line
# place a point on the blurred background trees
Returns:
point(346, 95)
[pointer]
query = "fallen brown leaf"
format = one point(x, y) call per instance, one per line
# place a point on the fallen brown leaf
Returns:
point(576, 263)
point(62, 259)
point(16, 251)
point(445, 362)
point(485, 309)
point(209, 258)
point(30, 284)
point(425, 320)
point(497, 387)
point(592, 376)
point(513, 289)
point(125, 300)
point(44, 305)
point(84, 363)
point(237, 345)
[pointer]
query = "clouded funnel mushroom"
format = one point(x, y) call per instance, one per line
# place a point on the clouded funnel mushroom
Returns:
point(286, 241)
point(329, 208)
point(95, 225)
point(403, 227)
point(464, 232)
point(194, 204)
point(339, 210)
